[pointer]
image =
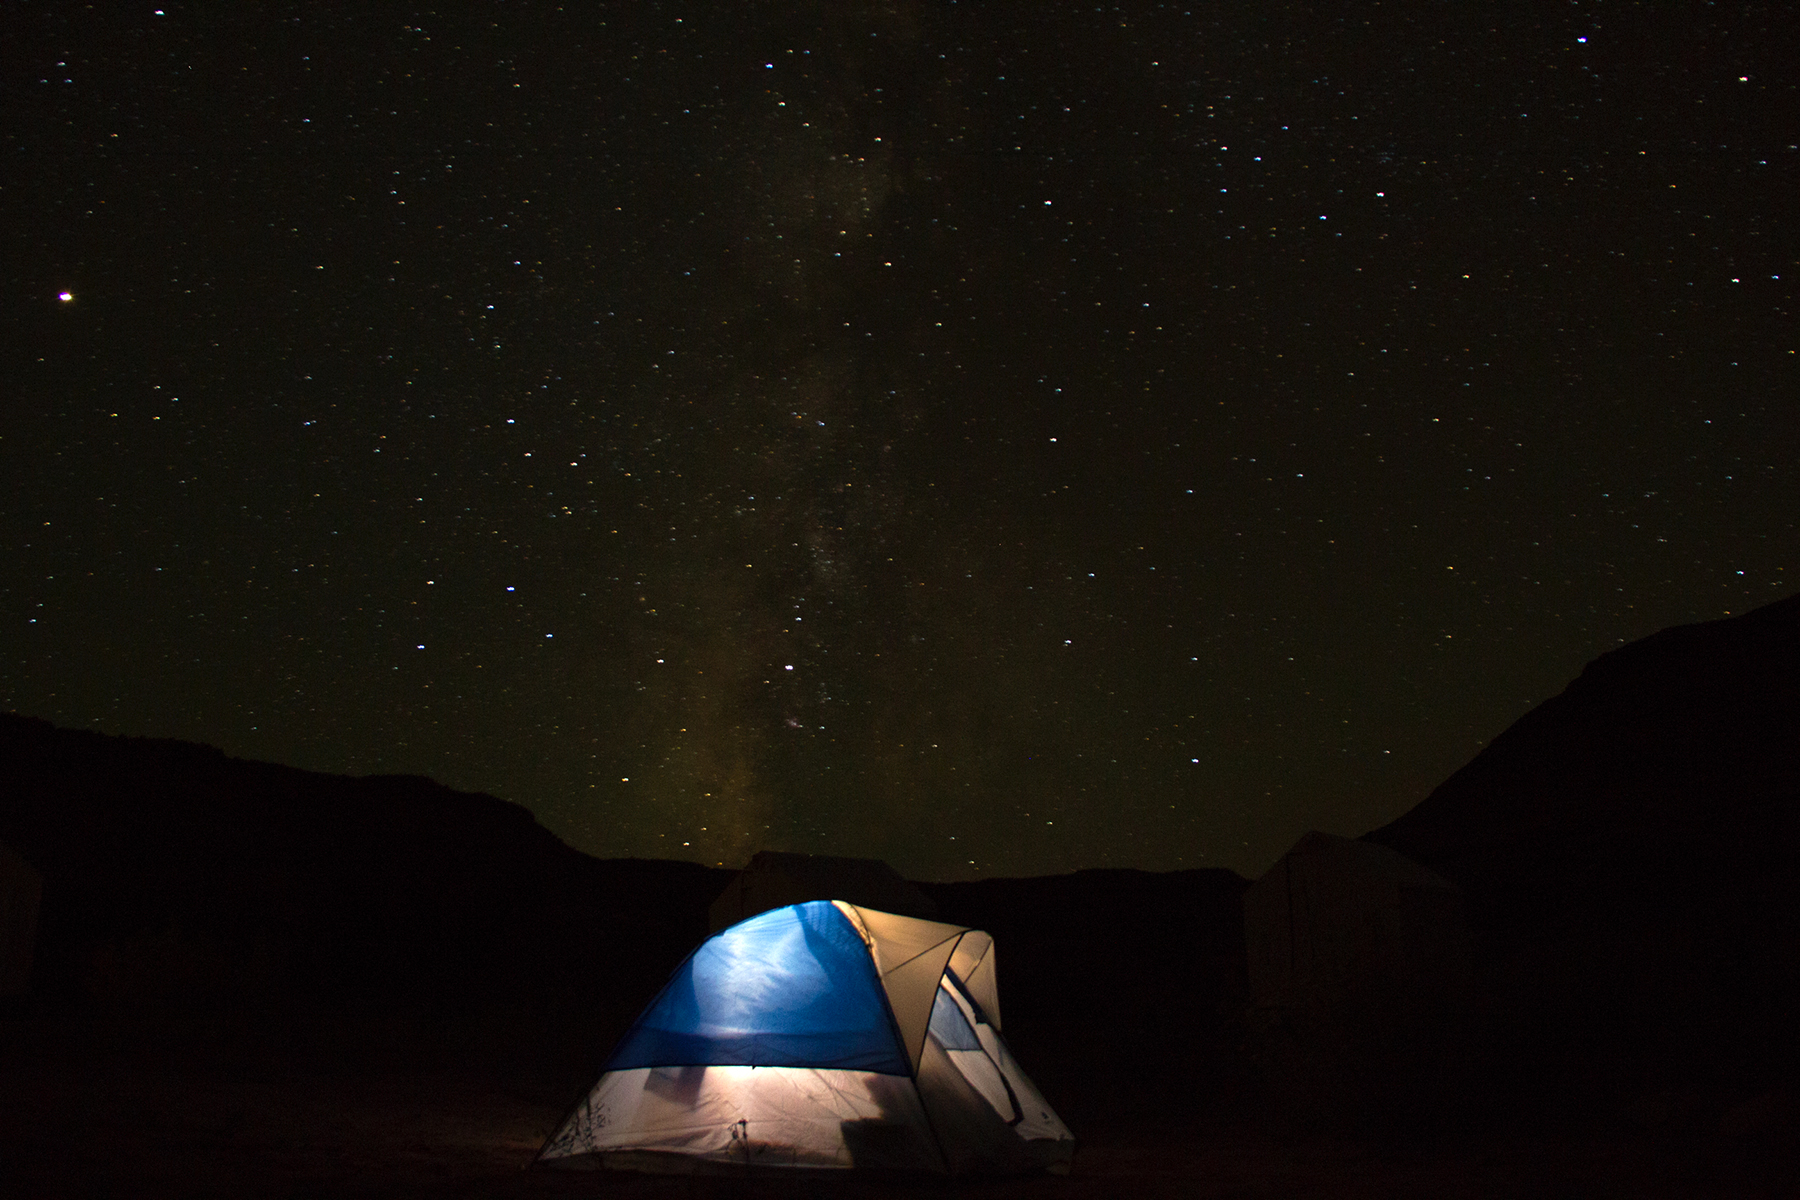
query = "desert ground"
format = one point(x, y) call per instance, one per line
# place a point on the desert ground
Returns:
point(113, 1108)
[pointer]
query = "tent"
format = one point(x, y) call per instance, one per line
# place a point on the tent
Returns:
point(1341, 921)
point(21, 889)
point(1358, 974)
point(774, 878)
point(820, 1035)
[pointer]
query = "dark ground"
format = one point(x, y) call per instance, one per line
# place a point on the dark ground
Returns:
point(98, 1108)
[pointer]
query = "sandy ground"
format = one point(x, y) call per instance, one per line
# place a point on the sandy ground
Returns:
point(103, 1119)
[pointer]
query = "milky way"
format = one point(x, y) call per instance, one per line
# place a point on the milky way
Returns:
point(1001, 442)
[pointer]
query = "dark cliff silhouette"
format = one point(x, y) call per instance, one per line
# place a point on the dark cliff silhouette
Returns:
point(1629, 852)
point(179, 881)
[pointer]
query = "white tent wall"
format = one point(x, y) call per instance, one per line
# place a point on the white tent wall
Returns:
point(21, 891)
point(694, 1118)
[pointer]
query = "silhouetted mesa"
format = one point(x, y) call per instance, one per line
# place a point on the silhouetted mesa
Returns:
point(1630, 855)
point(176, 876)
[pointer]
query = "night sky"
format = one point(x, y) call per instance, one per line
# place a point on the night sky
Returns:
point(1002, 438)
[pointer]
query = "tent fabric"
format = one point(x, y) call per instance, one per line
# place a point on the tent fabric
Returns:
point(792, 987)
point(911, 956)
point(835, 992)
point(973, 963)
point(972, 1136)
point(1338, 918)
point(953, 1026)
point(985, 1062)
point(751, 1116)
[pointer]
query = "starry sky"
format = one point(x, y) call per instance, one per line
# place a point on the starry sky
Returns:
point(1000, 438)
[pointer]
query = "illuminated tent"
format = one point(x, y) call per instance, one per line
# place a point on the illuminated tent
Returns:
point(820, 1035)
